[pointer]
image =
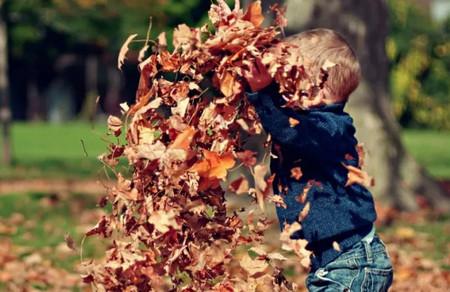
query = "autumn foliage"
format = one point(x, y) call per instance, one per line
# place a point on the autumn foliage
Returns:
point(169, 226)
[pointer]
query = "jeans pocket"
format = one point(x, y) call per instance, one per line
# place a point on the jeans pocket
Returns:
point(339, 279)
point(376, 280)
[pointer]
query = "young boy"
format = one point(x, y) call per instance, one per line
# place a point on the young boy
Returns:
point(347, 255)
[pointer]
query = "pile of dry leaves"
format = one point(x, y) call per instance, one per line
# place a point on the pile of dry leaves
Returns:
point(169, 225)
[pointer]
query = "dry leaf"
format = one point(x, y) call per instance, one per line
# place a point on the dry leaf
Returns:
point(293, 122)
point(253, 266)
point(304, 212)
point(296, 173)
point(184, 139)
point(239, 186)
point(214, 165)
point(358, 176)
point(124, 50)
point(254, 14)
point(336, 246)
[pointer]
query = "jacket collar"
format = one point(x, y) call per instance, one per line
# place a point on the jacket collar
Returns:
point(333, 107)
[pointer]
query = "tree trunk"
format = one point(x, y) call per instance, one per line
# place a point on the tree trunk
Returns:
point(114, 85)
point(364, 23)
point(5, 112)
point(89, 108)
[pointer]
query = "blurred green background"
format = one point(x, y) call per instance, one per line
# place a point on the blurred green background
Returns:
point(62, 55)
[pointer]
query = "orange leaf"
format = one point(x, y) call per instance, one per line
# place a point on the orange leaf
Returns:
point(302, 197)
point(304, 212)
point(356, 175)
point(254, 14)
point(296, 173)
point(293, 122)
point(361, 154)
point(214, 165)
point(184, 139)
point(227, 84)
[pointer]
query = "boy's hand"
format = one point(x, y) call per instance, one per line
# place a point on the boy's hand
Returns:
point(256, 75)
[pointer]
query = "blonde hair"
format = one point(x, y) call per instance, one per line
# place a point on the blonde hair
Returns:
point(319, 46)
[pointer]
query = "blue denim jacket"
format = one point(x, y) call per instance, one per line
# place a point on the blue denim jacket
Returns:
point(319, 142)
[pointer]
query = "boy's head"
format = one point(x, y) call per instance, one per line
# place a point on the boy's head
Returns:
point(317, 46)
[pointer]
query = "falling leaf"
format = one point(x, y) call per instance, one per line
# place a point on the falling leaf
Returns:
point(336, 246)
point(276, 256)
point(164, 220)
point(327, 65)
point(247, 157)
point(279, 201)
point(124, 50)
point(296, 173)
point(361, 154)
point(214, 165)
point(304, 212)
point(253, 266)
point(293, 122)
point(162, 39)
point(227, 84)
point(69, 241)
point(181, 107)
point(114, 125)
point(254, 14)
point(142, 52)
point(124, 108)
point(260, 171)
point(184, 139)
point(303, 196)
point(358, 176)
point(239, 186)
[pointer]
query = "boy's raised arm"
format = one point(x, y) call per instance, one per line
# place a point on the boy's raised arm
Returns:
point(311, 130)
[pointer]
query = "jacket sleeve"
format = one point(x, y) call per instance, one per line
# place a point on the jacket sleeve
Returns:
point(306, 131)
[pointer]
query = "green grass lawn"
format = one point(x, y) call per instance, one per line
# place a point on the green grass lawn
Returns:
point(44, 150)
point(431, 148)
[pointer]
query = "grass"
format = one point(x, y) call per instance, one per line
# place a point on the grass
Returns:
point(42, 150)
point(432, 149)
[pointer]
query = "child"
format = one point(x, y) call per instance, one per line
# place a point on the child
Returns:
point(347, 255)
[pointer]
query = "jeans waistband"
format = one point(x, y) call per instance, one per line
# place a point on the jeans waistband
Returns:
point(325, 255)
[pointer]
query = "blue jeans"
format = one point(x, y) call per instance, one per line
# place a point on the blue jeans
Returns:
point(365, 267)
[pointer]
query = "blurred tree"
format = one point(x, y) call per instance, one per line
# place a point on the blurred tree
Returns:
point(365, 25)
point(419, 53)
point(44, 31)
point(5, 112)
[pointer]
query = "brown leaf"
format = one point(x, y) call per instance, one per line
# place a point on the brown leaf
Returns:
point(296, 173)
point(214, 165)
point(253, 266)
point(184, 139)
point(260, 172)
point(124, 50)
point(358, 176)
point(304, 212)
point(114, 125)
point(279, 201)
point(227, 84)
point(247, 157)
point(239, 186)
point(69, 241)
point(254, 14)
point(293, 122)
